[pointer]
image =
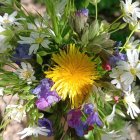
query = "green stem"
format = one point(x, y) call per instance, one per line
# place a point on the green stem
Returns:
point(116, 20)
point(96, 11)
point(128, 38)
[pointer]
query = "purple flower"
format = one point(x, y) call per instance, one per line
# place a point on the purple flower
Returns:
point(21, 52)
point(93, 118)
point(46, 123)
point(74, 118)
point(46, 97)
point(82, 12)
point(88, 108)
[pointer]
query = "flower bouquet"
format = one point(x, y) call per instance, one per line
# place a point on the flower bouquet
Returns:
point(72, 80)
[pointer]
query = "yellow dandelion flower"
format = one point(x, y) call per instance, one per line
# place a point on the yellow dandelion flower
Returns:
point(73, 76)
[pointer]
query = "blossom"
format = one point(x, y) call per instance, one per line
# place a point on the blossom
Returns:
point(80, 20)
point(132, 44)
point(35, 40)
point(34, 130)
point(132, 108)
point(26, 72)
point(38, 25)
point(1, 91)
point(47, 124)
point(73, 76)
point(9, 19)
point(46, 97)
point(88, 108)
point(130, 69)
point(130, 10)
point(93, 118)
point(21, 52)
point(16, 112)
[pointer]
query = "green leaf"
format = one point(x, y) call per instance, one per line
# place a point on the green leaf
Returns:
point(93, 29)
point(122, 25)
point(39, 59)
point(42, 53)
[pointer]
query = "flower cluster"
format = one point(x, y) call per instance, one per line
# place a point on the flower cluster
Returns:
point(70, 77)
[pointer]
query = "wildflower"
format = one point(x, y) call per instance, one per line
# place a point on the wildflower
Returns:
point(130, 69)
point(26, 72)
point(74, 75)
point(132, 108)
point(80, 20)
point(132, 44)
point(93, 118)
point(34, 130)
point(16, 112)
point(9, 19)
point(38, 25)
point(110, 118)
point(1, 91)
point(21, 52)
point(130, 10)
point(116, 73)
point(46, 97)
point(47, 124)
point(35, 40)
point(88, 108)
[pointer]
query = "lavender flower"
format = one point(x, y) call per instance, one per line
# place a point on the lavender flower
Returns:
point(47, 124)
point(94, 119)
point(88, 108)
point(21, 52)
point(46, 97)
point(74, 118)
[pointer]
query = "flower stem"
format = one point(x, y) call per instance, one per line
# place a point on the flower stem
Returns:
point(128, 38)
point(116, 20)
point(96, 11)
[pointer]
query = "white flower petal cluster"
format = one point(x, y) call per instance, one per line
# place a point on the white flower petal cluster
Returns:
point(130, 10)
point(35, 40)
point(26, 72)
point(132, 109)
point(132, 44)
point(16, 112)
point(34, 130)
point(7, 20)
point(125, 72)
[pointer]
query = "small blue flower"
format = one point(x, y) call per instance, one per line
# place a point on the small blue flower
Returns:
point(46, 123)
point(88, 108)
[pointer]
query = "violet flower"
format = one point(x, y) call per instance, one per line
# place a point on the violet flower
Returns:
point(21, 53)
point(88, 108)
point(46, 97)
point(46, 123)
point(94, 119)
point(74, 118)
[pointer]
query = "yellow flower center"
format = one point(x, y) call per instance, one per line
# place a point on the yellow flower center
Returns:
point(133, 71)
point(26, 74)
point(6, 21)
point(39, 40)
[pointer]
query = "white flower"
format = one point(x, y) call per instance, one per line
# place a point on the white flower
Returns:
point(110, 117)
point(116, 73)
point(34, 130)
point(132, 108)
point(132, 44)
point(1, 91)
point(9, 19)
point(37, 25)
point(35, 40)
point(26, 72)
point(129, 69)
point(16, 112)
point(130, 10)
